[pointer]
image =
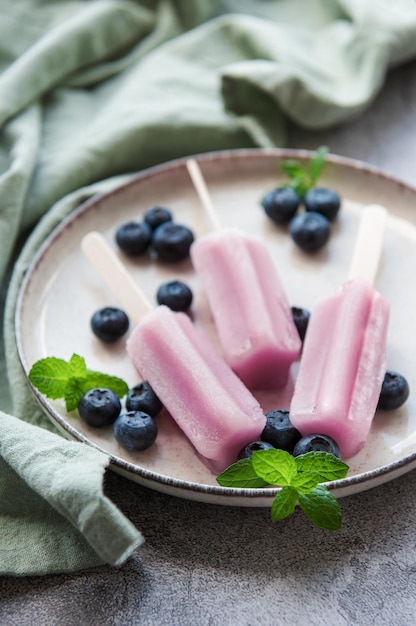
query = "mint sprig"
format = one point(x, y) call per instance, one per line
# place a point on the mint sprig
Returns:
point(300, 480)
point(70, 380)
point(303, 178)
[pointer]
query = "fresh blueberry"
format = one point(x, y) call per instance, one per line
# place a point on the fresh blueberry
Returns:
point(247, 451)
point(99, 407)
point(156, 216)
point(133, 238)
point(301, 319)
point(394, 391)
point(281, 204)
point(143, 398)
point(172, 241)
point(279, 431)
point(135, 431)
point(322, 200)
point(310, 230)
point(316, 443)
point(109, 323)
point(175, 294)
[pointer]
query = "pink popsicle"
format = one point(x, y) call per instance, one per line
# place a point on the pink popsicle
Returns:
point(344, 352)
point(207, 400)
point(204, 396)
point(247, 300)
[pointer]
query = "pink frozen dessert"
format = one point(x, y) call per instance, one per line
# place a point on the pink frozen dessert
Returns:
point(249, 305)
point(344, 352)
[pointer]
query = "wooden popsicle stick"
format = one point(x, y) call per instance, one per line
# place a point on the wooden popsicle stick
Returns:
point(369, 244)
point(107, 264)
point(202, 191)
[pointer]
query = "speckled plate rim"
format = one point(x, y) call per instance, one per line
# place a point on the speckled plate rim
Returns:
point(160, 482)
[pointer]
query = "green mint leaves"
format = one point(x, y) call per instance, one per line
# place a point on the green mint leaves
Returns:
point(56, 378)
point(299, 478)
point(304, 178)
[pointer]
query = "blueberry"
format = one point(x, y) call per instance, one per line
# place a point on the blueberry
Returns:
point(316, 443)
point(109, 323)
point(247, 451)
point(156, 216)
point(301, 319)
point(279, 431)
point(281, 204)
point(172, 241)
point(135, 431)
point(394, 391)
point(99, 407)
point(175, 294)
point(143, 398)
point(322, 200)
point(310, 230)
point(133, 238)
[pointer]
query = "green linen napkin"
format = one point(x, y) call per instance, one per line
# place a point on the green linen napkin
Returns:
point(93, 90)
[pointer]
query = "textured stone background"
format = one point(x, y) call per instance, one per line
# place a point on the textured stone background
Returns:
point(217, 566)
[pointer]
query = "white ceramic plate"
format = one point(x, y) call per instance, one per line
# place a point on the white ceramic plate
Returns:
point(61, 291)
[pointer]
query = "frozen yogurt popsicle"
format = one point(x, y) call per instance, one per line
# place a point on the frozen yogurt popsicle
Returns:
point(207, 400)
point(249, 305)
point(344, 352)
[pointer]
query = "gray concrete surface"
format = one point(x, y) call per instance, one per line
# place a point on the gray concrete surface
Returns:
point(206, 565)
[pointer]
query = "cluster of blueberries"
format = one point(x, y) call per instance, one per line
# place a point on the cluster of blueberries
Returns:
point(311, 229)
point(159, 232)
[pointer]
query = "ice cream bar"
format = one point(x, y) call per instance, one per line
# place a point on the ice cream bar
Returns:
point(247, 300)
point(208, 401)
point(344, 352)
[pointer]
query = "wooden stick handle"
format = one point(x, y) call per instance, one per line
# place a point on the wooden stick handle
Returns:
point(202, 191)
point(369, 244)
point(129, 295)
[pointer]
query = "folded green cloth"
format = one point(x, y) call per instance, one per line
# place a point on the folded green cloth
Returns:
point(91, 91)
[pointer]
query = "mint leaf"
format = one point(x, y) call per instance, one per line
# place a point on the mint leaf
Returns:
point(77, 366)
point(305, 482)
point(240, 475)
point(56, 379)
point(284, 503)
point(277, 467)
point(326, 466)
point(74, 391)
point(316, 164)
point(50, 376)
point(322, 508)
point(97, 379)
point(302, 178)
point(300, 480)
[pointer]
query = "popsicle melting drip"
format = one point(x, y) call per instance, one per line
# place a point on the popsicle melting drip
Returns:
point(249, 305)
point(344, 353)
point(210, 404)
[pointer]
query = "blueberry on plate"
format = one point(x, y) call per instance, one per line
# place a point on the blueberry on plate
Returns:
point(172, 241)
point(279, 431)
point(281, 204)
point(99, 407)
point(316, 443)
point(247, 451)
point(175, 294)
point(156, 216)
point(135, 431)
point(322, 200)
point(133, 238)
point(394, 391)
point(310, 230)
point(109, 323)
point(301, 318)
point(141, 397)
